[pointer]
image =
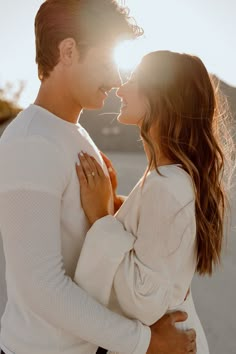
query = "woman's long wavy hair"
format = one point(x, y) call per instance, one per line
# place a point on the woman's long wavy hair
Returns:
point(189, 118)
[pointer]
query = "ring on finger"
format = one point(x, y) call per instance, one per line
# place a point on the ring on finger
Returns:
point(91, 174)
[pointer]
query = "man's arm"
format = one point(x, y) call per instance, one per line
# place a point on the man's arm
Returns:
point(30, 225)
point(33, 177)
point(166, 338)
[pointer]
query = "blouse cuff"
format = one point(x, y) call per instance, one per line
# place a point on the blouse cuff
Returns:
point(109, 235)
point(144, 340)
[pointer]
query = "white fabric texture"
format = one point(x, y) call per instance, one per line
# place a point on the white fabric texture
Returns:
point(43, 228)
point(141, 262)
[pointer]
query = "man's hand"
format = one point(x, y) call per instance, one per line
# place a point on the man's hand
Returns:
point(167, 339)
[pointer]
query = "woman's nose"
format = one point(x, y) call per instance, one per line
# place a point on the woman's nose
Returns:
point(120, 91)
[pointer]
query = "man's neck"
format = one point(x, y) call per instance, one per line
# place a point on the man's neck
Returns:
point(54, 99)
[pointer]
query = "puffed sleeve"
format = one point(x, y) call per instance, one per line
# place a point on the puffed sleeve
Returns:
point(140, 267)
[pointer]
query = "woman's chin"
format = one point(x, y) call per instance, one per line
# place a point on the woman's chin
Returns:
point(123, 119)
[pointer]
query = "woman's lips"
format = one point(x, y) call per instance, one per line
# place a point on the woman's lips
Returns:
point(123, 108)
point(123, 104)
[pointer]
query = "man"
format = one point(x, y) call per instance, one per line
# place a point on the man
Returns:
point(41, 219)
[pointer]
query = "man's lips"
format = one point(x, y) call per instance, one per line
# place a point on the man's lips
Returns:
point(105, 90)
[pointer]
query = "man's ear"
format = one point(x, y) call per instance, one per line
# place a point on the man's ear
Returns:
point(68, 50)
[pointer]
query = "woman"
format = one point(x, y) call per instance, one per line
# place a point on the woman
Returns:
point(142, 260)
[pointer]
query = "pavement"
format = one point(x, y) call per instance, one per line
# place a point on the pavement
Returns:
point(214, 296)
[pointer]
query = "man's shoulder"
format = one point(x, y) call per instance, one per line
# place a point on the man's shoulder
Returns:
point(33, 162)
point(34, 125)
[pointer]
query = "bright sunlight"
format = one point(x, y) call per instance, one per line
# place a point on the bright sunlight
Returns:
point(128, 54)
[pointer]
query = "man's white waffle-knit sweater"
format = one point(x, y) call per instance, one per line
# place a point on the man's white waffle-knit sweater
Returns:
point(43, 228)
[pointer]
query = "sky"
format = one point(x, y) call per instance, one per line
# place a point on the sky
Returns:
point(201, 27)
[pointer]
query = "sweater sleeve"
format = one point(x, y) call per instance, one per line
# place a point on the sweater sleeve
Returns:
point(142, 267)
point(30, 206)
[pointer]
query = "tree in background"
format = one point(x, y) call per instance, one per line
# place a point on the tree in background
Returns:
point(9, 101)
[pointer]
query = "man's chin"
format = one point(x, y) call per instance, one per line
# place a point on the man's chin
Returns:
point(94, 106)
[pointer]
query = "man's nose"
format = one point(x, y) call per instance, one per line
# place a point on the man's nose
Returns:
point(115, 79)
point(119, 92)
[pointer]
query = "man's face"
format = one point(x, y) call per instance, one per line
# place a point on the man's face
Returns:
point(90, 78)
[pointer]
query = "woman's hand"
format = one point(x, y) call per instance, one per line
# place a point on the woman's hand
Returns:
point(95, 188)
point(111, 170)
point(118, 200)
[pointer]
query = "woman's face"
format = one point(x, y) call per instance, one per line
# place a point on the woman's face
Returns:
point(133, 104)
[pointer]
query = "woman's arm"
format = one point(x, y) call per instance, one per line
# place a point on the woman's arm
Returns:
point(141, 267)
point(118, 199)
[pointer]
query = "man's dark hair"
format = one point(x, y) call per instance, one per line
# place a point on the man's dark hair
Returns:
point(88, 22)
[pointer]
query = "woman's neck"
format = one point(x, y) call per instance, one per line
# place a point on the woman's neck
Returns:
point(162, 162)
point(161, 159)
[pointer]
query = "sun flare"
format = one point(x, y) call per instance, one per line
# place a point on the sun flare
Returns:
point(128, 54)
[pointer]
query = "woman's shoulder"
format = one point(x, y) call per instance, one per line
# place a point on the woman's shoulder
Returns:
point(173, 183)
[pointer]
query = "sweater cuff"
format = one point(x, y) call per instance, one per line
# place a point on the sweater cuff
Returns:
point(144, 340)
point(109, 235)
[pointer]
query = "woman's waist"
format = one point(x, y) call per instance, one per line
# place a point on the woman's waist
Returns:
point(187, 305)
